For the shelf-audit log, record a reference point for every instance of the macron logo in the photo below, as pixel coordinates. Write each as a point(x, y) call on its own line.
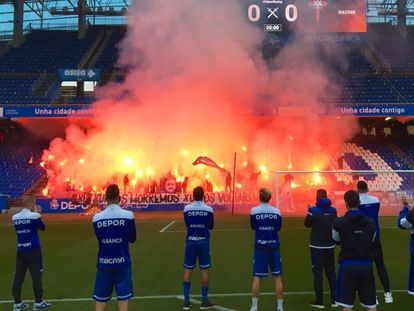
point(111, 261)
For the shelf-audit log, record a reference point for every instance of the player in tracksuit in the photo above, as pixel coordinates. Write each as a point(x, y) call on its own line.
point(29, 255)
point(357, 234)
point(114, 229)
point(406, 221)
point(370, 206)
point(266, 221)
point(320, 219)
point(199, 219)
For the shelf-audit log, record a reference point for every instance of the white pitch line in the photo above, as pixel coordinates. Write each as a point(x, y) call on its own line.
point(198, 302)
point(214, 230)
point(154, 297)
point(167, 226)
point(164, 230)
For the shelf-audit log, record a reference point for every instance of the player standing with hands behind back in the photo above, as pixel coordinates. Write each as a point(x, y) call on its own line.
point(266, 221)
point(199, 219)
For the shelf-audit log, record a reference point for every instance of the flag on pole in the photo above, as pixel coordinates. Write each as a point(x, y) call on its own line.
point(209, 162)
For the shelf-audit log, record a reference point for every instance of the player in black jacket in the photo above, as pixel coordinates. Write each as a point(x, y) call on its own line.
point(320, 219)
point(356, 233)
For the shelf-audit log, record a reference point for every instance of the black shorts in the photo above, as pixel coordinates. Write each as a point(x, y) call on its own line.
point(352, 278)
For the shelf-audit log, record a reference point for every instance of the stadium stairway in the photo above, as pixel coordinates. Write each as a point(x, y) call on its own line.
point(97, 49)
point(401, 154)
point(4, 47)
point(395, 51)
point(38, 186)
point(378, 61)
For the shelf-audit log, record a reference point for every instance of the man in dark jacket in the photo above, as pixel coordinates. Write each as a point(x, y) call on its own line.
point(357, 234)
point(320, 219)
point(406, 222)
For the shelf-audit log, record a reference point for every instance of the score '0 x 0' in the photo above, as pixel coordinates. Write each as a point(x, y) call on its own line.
point(254, 13)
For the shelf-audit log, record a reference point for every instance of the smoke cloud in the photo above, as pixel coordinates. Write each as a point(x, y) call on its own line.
point(196, 84)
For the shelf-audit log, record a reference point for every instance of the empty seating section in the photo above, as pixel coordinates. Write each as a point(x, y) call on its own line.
point(405, 86)
point(346, 57)
point(16, 175)
point(397, 52)
point(355, 77)
point(374, 154)
point(361, 89)
point(47, 51)
point(81, 100)
point(16, 90)
point(370, 89)
point(406, 145)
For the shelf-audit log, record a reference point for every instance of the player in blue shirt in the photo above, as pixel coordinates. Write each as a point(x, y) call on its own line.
point(114, 229)
point(29, 254)
point(370, 206)
point(406, 222)
point(266, 221)
point(199, 219)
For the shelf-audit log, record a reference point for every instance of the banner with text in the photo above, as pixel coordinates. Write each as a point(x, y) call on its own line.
point(148, 202)
point(372, 110)
point(46, 111)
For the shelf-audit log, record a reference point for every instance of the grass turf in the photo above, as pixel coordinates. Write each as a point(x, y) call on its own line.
point(69, 251)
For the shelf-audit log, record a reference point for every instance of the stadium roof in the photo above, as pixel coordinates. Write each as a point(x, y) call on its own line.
point(37, 13)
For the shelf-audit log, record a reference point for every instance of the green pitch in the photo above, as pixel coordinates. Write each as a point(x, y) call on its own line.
point(69, 251)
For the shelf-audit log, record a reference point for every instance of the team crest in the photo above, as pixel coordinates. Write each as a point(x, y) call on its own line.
point(318, 5)
point(54, 204)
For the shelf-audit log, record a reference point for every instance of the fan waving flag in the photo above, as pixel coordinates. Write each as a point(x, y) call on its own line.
point(209, 162)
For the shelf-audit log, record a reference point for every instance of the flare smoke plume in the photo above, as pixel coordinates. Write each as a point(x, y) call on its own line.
point(196, 77)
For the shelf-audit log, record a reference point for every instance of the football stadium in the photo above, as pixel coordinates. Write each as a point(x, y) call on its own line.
point(244, 144)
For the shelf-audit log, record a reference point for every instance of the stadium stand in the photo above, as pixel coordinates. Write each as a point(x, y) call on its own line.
point(369, 89)
point(406, 145)
point(354, 70)
point(109, 56)
point(16, 90)
point(47, 50)
point(351, 58)
point(405, 86)
point(16, 175)
point(396, 51)
point(28, 77)
point(374, 153)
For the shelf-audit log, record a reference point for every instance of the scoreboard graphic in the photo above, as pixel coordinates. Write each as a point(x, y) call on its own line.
point(317, 16)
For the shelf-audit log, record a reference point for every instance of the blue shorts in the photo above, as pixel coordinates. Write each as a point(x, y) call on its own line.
point(265, 259)
point(200, 250)
point(106, 280)
point(353, 278)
